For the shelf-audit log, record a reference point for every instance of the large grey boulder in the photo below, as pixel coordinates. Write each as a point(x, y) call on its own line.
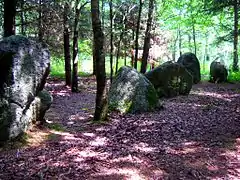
point(191, 63)
point(218, 72)
point(24, 67)
point(131, 92)
point(170, 79)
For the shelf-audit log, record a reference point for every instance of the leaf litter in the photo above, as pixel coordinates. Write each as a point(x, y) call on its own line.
point(192, 137)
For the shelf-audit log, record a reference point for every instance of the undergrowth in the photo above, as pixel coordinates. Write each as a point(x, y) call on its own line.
point(85, 68)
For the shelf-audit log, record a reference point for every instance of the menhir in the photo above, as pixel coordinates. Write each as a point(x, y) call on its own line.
point(24, 67)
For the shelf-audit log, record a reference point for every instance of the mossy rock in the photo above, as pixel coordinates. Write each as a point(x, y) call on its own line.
point(132, 92)
point(191, 63)
point(170, 79)
point(218, 72)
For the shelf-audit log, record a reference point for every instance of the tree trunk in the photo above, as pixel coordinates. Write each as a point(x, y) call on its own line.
point(94, 58)
point(137, 33)
point(174, 49)
point(180, 41)
point(206, 56)
point(189, 42)
point(146, 46)
point(235, 42)
point(194, 37)
point(101, 107)
point(9, 17)
point(75, 50)
point(111, 40)
point(22, 19)
point(102, 12)
point(66, 36)
point(40, 28)
point(119, 42)
point(118, 50)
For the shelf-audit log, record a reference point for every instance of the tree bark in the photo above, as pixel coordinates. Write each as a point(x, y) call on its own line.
point(194, 36)
point(22, 18)
point(75, 50)
point(94, 58)
point(66, 36)
point(9, 17)
point(137, 33)
point(119, 42)
point(180, 41)
point(101, 97)
point(40, 28)
point(235, 42)
point(206, 56)
point(102, 12)
point(111, 40)
point(146, 46)
point(118, 50)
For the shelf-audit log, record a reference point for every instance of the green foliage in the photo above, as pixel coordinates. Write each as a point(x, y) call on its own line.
point(57, 67)
point(85, 47)
point(234, 76)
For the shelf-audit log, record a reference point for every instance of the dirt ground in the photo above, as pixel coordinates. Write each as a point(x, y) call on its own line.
point(193, 137)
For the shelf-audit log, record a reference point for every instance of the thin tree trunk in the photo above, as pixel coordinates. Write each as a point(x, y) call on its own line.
point(40, 28)
point(22, 19)
point(137, 33)
point(174, 48)
point(75, 50)
point(94, 58)
point(119, 42)
point(146, 46)
point(101, 107)
point(179, 41)
point(66, 36)
point(235, 42)
point(9, 17)
point(111, 40)
point(103, 15)
point(118, 50)
point(194, 37)
point(206, 56)
point(189, 42)
point(125, 55)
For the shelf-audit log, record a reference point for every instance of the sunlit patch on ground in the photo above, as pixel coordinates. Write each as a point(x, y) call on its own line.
point(143, 147)
point(214, 95)
point(128, 173)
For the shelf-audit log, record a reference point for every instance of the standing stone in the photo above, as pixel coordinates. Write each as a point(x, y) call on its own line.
point(170, 79)
point(132, 92)
point(24, 67)
point(218, 72)
point(191, 63)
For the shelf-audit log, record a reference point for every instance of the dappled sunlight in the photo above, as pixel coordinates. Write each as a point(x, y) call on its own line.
point(58, 89)
point(233, 160)
point(129, 173)
point(61, 93)
point(99, 141)
point(86, 153)
point(37, 138)
point(89, 134)
point(225, 97)
point(143, 147)
point(61, 133)
point(77, 117)
point(187, 104)
point(190, 147)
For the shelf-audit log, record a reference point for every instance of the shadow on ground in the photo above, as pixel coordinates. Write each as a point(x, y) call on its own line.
point(193, 137)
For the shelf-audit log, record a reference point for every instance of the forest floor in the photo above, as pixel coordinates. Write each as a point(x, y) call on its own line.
point(192, 137)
